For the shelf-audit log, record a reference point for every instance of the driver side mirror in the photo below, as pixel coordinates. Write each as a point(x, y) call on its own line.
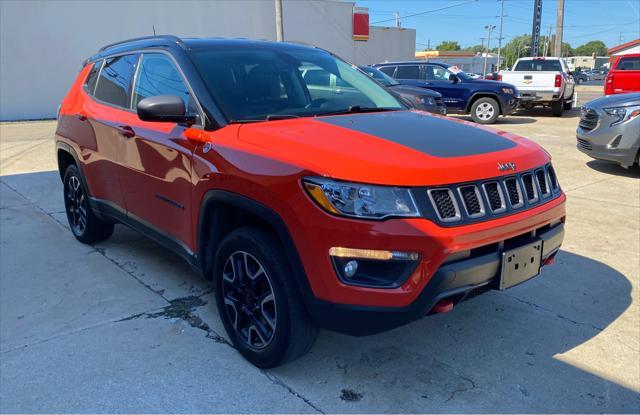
point(165, 108)
point(453, 78)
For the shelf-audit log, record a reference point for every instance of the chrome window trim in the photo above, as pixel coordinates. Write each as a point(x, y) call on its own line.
point(480, 202)
point(455, 218)
point(503, 202)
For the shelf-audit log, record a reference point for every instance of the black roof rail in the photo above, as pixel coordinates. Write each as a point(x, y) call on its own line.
point(170, 38)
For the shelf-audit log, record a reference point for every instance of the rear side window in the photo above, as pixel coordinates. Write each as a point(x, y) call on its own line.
point(408, 72)
point(629, 64)
point(92, 78)
point(389, 70)
point(539, 65)
point(159, 76)
point(115, 80)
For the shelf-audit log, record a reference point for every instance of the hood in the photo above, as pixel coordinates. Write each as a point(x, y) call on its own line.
point(414, 90)
point(618, 100)
point(404, 148)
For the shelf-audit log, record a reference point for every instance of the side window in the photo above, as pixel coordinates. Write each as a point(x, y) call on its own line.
point(629, 64)
point(389, 70)
point(436, 73)
point(92, 78)
point(115, 80)
point(158, 75)
point(408, 72)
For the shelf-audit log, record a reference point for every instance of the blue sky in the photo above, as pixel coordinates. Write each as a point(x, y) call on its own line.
point(585, 20)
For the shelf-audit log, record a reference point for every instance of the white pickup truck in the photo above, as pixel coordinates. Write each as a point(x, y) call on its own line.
point(543, 81)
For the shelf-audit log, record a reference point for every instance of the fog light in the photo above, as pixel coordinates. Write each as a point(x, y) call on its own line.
point(350, 269)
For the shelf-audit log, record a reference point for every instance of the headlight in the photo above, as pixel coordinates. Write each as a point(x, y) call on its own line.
point(507, 91)
point(360, 200)
point(622, 114)
point(428, 100)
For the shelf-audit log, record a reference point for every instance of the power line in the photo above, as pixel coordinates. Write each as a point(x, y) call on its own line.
point(426, 12)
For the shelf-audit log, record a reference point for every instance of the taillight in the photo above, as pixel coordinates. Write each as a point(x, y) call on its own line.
point(499, 77)
point(558, 83)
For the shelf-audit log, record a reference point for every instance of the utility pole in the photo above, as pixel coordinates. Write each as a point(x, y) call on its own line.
point(279, 25)
point(397, 14)
point(500, 34)
point(557, 51)
point(620, 39)
point(428, 44)
point(489, 28)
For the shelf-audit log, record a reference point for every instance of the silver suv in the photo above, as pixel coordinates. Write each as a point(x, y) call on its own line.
point(609, 129)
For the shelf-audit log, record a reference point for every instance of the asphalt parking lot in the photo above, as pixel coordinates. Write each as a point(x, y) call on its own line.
point(125, 326)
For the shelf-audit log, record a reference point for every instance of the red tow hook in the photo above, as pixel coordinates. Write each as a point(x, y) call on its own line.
point(443, 306)
point(550, 261)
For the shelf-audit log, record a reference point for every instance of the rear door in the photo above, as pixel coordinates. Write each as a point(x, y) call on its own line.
point(155, 160)
point(104, 110)
point(626, 77)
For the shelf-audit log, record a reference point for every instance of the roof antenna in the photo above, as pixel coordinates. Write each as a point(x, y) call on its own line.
point(154, 29)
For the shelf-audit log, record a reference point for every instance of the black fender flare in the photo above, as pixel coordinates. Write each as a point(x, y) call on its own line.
point(259, 210)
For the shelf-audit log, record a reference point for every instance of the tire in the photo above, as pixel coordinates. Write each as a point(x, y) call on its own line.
point(485, 111)
point(557, 107)
point(263, 314)
point(84, 224)
point(580, 80)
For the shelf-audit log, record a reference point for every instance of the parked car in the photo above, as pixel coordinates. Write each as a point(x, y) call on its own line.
point(492, 76)
point(419, 98)
point(542, 81)
point(473, 75)
point(624, 76)
point(579, 76)
point(307, 205)
point(595, 75)
point(484, 100)
point(609, 129)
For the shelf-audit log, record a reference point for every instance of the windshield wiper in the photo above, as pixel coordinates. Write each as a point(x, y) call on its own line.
point(355, 109)
point(270, 117)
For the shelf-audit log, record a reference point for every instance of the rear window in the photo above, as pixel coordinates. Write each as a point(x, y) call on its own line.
point(92, 78)
point(539, 65)
point(115, 80)
point(629, 64)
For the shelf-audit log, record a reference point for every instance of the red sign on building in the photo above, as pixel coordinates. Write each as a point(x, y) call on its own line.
point(360, 23)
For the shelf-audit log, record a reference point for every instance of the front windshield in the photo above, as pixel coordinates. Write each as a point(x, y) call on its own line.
point(379, 76)
point(261, 84)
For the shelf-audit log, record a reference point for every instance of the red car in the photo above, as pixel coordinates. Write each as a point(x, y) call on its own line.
point(624, 76)
point(310, 195)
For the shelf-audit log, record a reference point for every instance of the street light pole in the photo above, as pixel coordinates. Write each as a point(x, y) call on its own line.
point(279, 25)
point(489, 28)
point(500, 34)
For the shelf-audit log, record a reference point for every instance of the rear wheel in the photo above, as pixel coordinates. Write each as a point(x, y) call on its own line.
point(485, 111)
point(85, 225)
point(557, 107)
point(258, 301)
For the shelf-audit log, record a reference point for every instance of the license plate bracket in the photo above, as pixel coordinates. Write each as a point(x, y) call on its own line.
point(520, 264)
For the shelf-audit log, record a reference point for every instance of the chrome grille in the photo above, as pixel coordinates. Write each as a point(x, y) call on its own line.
point(445, 204)
point(494, 195)
point(514, 192)
point(472, 201)
point(457, 203)
point(529, 187)
point(584, 144)
point(588, 119)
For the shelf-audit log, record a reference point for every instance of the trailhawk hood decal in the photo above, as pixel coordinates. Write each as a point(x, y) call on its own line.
point(404, 148)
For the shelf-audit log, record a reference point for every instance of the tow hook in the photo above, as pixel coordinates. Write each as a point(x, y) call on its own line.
point(443, 306)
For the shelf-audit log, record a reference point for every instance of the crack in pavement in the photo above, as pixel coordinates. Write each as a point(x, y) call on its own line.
point(454, 392)
point(277, 381)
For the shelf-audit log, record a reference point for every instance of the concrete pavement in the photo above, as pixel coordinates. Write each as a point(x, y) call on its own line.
point(125, 326)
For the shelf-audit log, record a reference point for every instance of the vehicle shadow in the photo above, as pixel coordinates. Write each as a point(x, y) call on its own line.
point(499, 352)
point(509, 119)
point(614, 169)
point(546, 112)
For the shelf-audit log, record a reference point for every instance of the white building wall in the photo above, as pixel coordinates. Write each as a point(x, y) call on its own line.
point(43, 43)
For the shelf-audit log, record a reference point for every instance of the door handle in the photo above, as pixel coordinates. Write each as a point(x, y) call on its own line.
point(126, 131)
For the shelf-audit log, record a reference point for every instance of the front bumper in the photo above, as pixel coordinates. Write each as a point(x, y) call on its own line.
point(619, 144)
point(454, 280)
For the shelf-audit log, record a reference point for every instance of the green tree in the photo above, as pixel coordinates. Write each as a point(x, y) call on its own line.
point(596, 47)
point(448, 45)
point(474, 49)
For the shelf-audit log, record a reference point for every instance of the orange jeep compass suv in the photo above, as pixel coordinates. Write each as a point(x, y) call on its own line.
point(310, 195)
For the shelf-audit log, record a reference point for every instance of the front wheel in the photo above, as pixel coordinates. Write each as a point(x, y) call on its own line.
point(258, 301)
point(485, 111)
point(85, 225)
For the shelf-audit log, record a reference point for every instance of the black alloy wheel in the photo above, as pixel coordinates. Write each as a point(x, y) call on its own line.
point(249, 300)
